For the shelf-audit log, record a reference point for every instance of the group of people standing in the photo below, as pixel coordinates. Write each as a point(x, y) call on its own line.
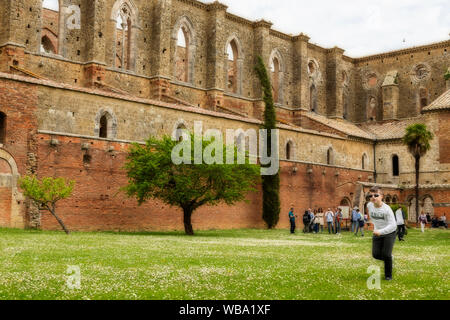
point(314, 221)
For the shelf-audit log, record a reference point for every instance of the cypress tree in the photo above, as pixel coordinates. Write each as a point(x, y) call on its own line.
point(270, 184)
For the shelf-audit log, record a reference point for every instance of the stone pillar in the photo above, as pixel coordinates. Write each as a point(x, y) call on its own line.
point(390, 95)
point(216, 46)
point(215, 61)
point(161, 47)
point(262, 49)
point(301, 78)
point(335, 106)
point(98, 29)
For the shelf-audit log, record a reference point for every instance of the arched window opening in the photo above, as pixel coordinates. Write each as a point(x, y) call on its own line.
point(330, 156)
point(387, 199)
point(232, 72)
point(123, 38)
point(394, 200)
point(423, 96)
point(103, 127)
point(47, 45)
point(395, 166)
point(2, 128)
point(428, 206)
point(275, 75)
point(179, 134)
point(313, 98)
point(182, 56)
point(50, 26)
point(372, 109)
point(289, 151)
point(364, 161)
point(345, 106)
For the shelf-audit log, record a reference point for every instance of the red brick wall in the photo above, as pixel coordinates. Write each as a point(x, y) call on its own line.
point(444, 137)
point(18, 101)
point(97, 203)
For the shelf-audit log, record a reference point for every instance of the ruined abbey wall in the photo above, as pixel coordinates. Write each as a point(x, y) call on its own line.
point(62, 70)
point(310, 76)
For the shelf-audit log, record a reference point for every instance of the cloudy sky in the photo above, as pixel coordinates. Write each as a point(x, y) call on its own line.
point(360, 27)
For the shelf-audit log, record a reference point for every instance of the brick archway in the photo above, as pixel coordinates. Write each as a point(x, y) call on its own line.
point(11, 200)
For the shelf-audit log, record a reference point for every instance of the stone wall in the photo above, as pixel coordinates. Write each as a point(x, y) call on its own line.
point(154, 27)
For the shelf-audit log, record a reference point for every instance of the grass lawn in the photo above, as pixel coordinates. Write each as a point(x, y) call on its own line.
point(218, 265)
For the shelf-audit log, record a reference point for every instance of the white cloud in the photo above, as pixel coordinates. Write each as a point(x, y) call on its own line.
point(359, 27)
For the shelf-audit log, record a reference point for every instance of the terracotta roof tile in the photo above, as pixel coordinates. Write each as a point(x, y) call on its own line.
point(341, 125)
point(390, 130)
point(441, 103)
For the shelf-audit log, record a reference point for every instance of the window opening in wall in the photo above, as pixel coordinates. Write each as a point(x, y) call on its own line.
point(182, 55)
point(275, 75)
point(232, 71)
point(2, 128)
point(50, 26)
point(395, 166)
point(123, 37)
point(423, 94)
point(313, 98)
point(103, 127)
point(288, 150)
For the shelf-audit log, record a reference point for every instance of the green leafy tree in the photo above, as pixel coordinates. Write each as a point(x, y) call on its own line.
point(418, 139)
point(47, 192)
point(152, 174)
point(271, 183)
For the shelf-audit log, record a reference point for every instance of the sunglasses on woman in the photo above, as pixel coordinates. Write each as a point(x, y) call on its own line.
point(374, 195)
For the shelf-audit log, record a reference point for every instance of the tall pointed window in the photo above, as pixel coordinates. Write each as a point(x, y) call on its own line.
point(124, 14)
point(2, 128)
point(345, 106)
point(182, 58)
point(423, 96)
point(232, 72)
point(275, 75)
point(123, 36)
point(50, 26)
point(313, 98)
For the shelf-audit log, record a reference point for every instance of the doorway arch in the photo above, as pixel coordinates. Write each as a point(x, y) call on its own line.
point(11, 200)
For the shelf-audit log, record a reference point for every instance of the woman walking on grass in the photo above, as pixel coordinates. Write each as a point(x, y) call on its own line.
point(385, 229)
point(423, 221)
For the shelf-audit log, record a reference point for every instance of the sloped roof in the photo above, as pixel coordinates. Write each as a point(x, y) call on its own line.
point(441, 103)
point(390, 130)
point(341, 125)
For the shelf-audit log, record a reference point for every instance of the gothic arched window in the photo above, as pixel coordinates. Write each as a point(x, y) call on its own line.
point(50, 26)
